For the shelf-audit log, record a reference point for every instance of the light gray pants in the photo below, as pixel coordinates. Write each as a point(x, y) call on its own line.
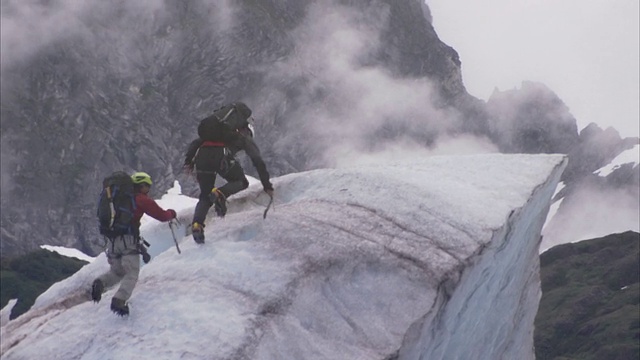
point(124, 261)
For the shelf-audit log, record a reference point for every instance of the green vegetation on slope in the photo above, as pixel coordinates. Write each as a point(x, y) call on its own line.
point(26, 277)
point(590, 306)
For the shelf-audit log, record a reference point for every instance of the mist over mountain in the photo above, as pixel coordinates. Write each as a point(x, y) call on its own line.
point(91, 87)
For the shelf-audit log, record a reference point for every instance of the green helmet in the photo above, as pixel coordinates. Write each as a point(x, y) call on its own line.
point(141, 177)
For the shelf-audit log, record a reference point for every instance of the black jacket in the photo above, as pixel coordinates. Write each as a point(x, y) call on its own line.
point(239, 143)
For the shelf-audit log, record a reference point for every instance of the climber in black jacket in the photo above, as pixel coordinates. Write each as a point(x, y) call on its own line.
point(220, 137)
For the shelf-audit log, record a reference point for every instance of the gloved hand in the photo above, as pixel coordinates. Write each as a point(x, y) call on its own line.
point(173, 213)
point(146, 257)
point(269, 192)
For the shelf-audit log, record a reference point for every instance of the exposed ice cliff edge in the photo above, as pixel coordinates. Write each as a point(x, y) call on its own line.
point(435, 259)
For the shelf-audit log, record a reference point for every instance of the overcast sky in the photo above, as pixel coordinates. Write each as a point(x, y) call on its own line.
point(587, 52)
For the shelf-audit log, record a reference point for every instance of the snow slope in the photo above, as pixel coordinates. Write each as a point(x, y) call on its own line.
point(435, 258)
point(631, 156)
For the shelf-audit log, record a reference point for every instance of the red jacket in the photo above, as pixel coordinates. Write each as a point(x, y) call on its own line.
point(146, 205)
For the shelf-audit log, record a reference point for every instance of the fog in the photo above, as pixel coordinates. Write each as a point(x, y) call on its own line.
point(590, 213)
point(346, 104)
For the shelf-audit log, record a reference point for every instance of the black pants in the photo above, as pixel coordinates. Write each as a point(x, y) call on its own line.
point(210, 162)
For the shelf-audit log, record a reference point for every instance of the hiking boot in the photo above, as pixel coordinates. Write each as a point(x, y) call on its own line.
point(197, 230)
point(119, 307)
point(219, 202)
point(96, 290)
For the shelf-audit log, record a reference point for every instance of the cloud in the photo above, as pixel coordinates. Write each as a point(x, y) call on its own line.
point(341, 96)
point(29, 26)
point(592, 212)
point(407, 151)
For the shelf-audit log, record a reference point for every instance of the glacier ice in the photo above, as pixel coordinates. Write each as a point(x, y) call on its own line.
point(434, 258)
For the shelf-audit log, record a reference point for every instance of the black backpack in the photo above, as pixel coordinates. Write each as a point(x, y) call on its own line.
point(116, 205)
point(222, 125)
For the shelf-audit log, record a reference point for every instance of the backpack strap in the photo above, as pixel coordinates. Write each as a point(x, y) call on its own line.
point(136, 241)
point(111, 207)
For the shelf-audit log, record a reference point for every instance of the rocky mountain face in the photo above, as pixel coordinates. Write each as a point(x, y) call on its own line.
point(533, 119)
point(105, 86)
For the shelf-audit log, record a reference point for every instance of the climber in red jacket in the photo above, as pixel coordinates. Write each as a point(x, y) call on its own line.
point(124, 253)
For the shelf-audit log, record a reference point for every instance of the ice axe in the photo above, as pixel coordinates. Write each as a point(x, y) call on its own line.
point(172, 223)
point(264, 215)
